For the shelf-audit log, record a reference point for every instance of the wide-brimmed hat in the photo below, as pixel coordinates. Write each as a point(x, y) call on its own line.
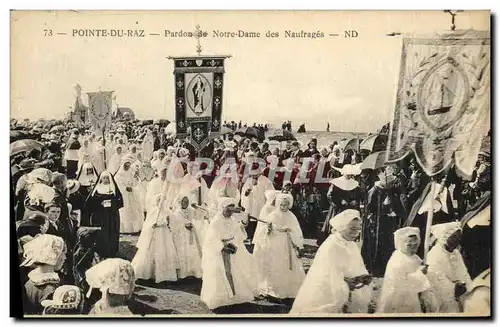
point(73, 186)
point(485, 154)
point(64, 297)
point(349, 170)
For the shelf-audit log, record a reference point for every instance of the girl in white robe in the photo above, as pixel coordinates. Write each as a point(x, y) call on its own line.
point(85, 154)
point(148, 146)
point(447, 272)
point(337, 281)
point(252, 193)
point(175, 174)
point(228, 268)
point(196, 188)
point(262, 228)
point(156, 257)
point(222, 186)
point(157, 162)
point(406, 288)
point(276, 250)
point(116, 159)
point(146, 175)
point(186, 238)
point(98, 156)
point(132, 152)
point(131, 215)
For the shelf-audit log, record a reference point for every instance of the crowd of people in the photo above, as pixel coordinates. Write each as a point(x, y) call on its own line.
point(237, 219)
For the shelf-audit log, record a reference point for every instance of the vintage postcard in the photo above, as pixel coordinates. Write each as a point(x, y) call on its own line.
point(250, 163)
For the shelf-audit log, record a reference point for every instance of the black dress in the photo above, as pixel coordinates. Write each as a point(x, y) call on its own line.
point(384, 215)
point(476, 242)
point(103, 209)
point(340, 200)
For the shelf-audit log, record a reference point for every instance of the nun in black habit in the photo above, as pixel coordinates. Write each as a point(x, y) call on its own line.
point(103, 205)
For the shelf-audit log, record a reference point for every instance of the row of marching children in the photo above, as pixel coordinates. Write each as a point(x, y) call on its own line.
point(193, 231)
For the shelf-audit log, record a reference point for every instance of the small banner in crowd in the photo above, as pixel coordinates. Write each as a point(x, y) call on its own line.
point(198, 93)
point(442, 108)
point(100, 109)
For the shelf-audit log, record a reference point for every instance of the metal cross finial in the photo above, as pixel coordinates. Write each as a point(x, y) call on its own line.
point(453, 13)
point(198, 35)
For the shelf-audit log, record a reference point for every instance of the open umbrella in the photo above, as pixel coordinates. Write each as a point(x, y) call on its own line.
point(161, 122)
point(374, 161)
point(58, 128)
point(248, 132)
point(349, 144)
point(225, 130)
point(282, 135)
point(18, 135)
point(24, 146)
point(374, 143)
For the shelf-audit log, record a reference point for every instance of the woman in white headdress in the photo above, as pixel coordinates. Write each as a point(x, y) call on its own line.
point(447, 272)
point(406, 288)
point(85, 153)
point(103, 205)
point(132, 152)
point(337, 281)
point(186, 238)
point(175, 179)
point(161, 155)
point(131, 215)
point(156, 257)
point(222, 186)
point(262, 228)
point(87, 177)
point(228, 268)
point(148, 145)
point(277, 251)
point(116, 281)
point(116, 159)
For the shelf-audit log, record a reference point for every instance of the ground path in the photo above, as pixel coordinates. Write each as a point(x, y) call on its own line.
point(183, 297)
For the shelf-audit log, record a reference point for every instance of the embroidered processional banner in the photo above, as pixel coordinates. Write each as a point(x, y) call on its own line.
point(442, 108)
point(198, 96)
point(100, 110)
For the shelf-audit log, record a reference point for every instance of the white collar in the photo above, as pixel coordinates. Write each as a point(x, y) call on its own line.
point(345, 184)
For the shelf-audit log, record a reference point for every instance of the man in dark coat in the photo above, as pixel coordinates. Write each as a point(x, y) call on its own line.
point(67, 224)
point(72, 147)
point(156, 141)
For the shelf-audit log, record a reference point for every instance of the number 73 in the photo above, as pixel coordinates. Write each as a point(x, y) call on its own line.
point(47, 32)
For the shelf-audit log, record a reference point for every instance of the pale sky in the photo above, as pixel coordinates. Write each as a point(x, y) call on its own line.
point(350, 83)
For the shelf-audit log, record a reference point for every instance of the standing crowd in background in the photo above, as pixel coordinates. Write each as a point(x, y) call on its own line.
point(239, 223)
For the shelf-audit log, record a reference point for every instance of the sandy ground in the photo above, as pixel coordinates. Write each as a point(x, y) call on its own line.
point(183, 297)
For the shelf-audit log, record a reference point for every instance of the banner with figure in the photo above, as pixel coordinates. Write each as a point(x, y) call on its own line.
point(199, 96)
point(100, 110)
point(198, 92)
point(442, 110)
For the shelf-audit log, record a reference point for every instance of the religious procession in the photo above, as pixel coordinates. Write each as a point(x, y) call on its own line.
point(117, 216)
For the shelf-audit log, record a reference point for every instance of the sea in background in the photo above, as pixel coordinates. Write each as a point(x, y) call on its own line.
point(324, 138)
